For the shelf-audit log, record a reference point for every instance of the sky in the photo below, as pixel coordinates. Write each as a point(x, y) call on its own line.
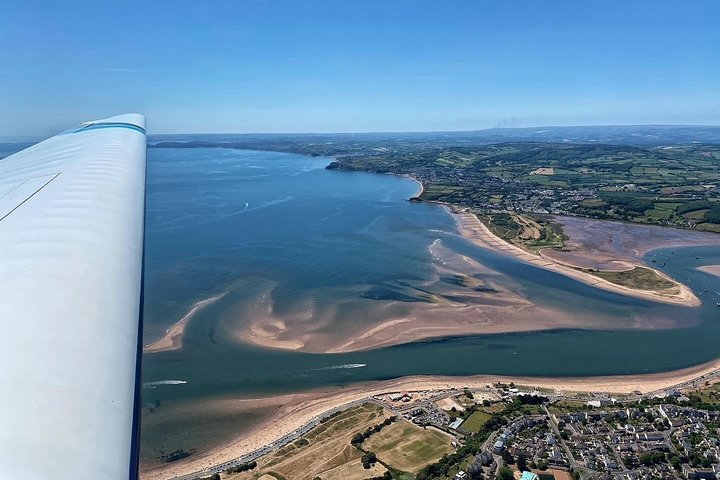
point(352, 66)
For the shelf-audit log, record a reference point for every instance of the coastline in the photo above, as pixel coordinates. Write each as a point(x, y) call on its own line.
point(479, 234)
point(427, 321)
point(173, 338)
point(420, 184)
point(297, 410)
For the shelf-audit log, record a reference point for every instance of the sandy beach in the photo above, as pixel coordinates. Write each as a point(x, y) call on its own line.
point(295, 410)
point(478, 233)
point(711, 269)
point(173, 338)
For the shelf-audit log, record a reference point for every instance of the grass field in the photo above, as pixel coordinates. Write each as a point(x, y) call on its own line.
point(328, 447)
point(352, 471)
point(524, 231)
point(709, 395)
point(709, 227)
point(475, 421)
point(566, 406)
point(640, 278)
point(408, 447)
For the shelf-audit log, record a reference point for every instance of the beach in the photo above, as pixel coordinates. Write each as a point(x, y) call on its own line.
point(295, 410)
point(333, 263)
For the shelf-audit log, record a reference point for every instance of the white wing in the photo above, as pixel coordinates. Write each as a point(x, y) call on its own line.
point(71, 244)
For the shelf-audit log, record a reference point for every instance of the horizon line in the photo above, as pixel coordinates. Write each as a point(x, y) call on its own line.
point(32, 138)
point(613, 125)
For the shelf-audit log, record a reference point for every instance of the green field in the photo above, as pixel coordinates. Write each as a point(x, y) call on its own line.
point(615, 182)
point(529, 233)
point(710, 395)
point(475, 421)
point(640, 278)
point(407, 447)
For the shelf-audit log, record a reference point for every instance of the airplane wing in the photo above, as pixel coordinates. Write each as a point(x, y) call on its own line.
point(71, 248)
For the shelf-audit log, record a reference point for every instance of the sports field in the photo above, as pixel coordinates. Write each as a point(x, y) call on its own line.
point(407, 447)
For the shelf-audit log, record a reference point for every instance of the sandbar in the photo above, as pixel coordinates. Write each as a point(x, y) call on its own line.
point(173, 338)
point(711, 269)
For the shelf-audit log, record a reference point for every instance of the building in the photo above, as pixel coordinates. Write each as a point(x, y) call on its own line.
point(498, 447)
point(458, 421)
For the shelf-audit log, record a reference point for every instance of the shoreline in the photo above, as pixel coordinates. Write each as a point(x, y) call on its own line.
point(422, 187)
point(173, 338)
point(710, 269)
point(476, 232)
point(297, 410)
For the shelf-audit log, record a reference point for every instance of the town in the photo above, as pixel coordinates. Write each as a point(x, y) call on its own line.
point(504, 431)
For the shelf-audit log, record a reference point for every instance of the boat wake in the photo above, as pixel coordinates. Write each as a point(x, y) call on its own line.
point(163, 382)
point(344, 366)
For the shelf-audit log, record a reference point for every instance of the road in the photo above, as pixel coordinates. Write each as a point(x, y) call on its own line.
point(399, 410)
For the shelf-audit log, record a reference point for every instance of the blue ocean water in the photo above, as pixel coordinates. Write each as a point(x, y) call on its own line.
point(328, 251)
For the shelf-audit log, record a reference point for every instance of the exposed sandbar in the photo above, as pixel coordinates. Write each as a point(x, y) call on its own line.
point(711, 269)
point(173, 338)
point(484, 302)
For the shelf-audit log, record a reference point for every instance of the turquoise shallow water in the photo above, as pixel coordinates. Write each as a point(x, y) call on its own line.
point(279, 231)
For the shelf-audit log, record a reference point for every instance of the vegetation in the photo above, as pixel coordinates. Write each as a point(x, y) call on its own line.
point(359, 438)
point(243, 467)
point(408, 447)
point(639, 278)
point(620, 182)
point(528, 232)
point(505, 473)
point(474, 442)
point(475, 421)
point(368, 460)
point(308, 457)
point(632, 177)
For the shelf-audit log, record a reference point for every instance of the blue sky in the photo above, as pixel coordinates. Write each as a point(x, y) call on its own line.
point(345, 65)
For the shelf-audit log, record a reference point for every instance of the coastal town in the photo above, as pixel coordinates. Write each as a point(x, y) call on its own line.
point(498, 429)
point(507, 431)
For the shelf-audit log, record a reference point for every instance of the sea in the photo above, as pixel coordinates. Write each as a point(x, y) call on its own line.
point(277, 233)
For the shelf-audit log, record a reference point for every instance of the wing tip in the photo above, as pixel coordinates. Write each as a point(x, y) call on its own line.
point(136, 119)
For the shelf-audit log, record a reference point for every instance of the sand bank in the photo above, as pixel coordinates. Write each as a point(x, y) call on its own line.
point(294, 411)
point(173, 338)
point(711, 269)
point(483, 301)
point(478, 233)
